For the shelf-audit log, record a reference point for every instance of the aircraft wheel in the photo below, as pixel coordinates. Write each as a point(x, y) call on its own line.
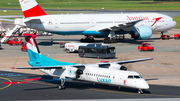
point(61, 87)
point(140, 91)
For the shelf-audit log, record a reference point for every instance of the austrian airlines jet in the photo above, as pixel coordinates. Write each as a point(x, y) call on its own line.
point(112, 73)
point(138, 25)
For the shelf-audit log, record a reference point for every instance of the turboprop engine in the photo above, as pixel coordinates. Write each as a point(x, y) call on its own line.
point(142, 32)
point(117, 66)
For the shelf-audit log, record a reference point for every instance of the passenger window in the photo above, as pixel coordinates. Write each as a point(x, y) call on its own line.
point(130, 77)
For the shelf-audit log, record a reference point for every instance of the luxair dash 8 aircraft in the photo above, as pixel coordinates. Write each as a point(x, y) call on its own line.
point(112, 73)
point(138, 25)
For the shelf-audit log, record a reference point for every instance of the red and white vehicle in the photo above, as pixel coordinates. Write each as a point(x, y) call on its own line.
point(176, 36)
point(15, 41)
point(24, 47)
point(145, 47)
point(165, 37)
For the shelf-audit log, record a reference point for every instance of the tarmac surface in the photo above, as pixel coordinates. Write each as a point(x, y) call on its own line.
point(162, 73)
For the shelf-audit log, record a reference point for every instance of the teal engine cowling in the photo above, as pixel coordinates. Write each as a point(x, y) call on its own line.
point(142, 32)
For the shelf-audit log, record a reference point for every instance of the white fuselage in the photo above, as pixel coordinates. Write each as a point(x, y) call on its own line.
point(103, 76)
point(89, 24)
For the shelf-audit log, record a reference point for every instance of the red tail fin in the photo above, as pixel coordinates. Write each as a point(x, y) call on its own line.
point(31, 8)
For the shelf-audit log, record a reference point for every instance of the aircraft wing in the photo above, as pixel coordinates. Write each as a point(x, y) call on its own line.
point(113, 27)
point(131, 61)
point(104, 65)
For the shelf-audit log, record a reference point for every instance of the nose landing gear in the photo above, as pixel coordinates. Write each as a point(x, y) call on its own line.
point(140, 91)
point(61, 85)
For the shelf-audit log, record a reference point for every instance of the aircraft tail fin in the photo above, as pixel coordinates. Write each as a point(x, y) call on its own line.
point(31, 8)
point(36, 59)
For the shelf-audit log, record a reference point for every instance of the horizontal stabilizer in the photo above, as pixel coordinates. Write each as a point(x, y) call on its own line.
point(50, 67)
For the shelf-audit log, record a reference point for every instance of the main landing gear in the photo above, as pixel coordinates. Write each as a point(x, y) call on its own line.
point(140, 91)
point(61, 85)
point(110, 38)
point(88, 39)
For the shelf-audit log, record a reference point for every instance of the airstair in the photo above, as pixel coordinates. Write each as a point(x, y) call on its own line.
point(10, 33)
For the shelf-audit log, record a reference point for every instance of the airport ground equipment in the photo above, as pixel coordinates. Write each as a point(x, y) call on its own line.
point(97, 51)
point(145, 47)
point(73, 47)
point(15, 41)
point(176, 36)
point(10, 33)
point(62, 44)
point(24, 47)
point(163, 37)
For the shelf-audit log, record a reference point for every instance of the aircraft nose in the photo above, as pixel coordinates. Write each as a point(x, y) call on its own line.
point(174, 24)
point(145, 86)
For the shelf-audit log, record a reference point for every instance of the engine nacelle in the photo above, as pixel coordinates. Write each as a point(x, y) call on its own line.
point(142, 32)
point(78, 73)
point(117, 67)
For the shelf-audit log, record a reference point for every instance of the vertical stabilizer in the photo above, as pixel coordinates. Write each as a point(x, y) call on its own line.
point(31, 8)
point(35, 57)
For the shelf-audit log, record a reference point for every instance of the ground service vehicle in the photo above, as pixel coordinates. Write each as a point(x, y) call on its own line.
point(62, 44)
point(15, 41)
point(24, 47)
point(97, 51)
point(176, 36)
point(165, 37)
point(73, 47)
point(145, 47)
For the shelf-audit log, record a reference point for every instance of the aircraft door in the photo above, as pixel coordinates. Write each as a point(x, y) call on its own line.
point(56, 23)
point(93, 22)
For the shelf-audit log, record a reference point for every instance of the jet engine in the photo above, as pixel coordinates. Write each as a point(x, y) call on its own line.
point(142, 32)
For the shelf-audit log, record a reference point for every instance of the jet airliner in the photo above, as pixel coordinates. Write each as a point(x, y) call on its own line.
point(138, 25)
point(112, 73)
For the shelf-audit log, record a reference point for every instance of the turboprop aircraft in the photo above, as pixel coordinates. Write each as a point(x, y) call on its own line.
point(138, 25)
point(112, 73)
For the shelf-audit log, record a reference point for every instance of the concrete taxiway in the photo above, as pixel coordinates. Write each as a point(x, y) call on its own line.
point(23, 86)
point(162, 73)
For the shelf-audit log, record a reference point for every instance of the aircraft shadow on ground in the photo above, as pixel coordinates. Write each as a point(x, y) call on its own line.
point(73, 84)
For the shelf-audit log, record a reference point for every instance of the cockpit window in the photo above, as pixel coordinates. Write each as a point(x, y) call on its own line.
point(140, 76)
point(136, 77)
point(130, 77)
